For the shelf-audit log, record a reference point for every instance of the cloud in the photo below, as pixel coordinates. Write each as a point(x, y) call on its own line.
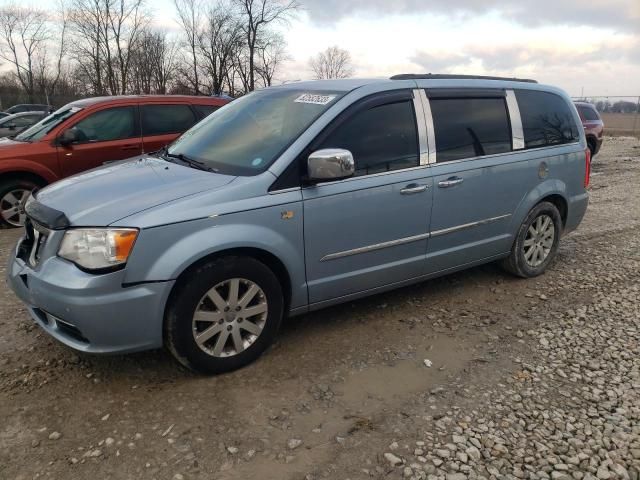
point(442, 62)
point(509, 58)
point(621, 15)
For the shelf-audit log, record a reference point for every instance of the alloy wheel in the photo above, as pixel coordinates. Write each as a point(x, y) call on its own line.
point(230, 317)
point(11, 206)
point(539, 240)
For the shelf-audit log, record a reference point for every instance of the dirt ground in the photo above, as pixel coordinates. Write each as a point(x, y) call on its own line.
point(528, 379)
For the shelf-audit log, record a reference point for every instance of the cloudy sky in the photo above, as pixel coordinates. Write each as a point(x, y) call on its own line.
point(590, 45)
point(580, 45)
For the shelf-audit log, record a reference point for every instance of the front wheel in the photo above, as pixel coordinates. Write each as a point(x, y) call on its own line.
point(224, 314)
point(536, 243)
point(13, 195)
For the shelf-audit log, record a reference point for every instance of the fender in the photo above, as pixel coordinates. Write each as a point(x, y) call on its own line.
point(164, 253)
point(16, 166)
point(552, 186)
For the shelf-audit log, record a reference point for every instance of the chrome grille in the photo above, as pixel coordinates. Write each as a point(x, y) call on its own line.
point(33, 243)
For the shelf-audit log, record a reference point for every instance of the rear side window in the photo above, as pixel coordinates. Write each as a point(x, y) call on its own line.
point(110, 124)
point(470, 127)
point(588, 113)
point(205, 110)
point(163, 119)
point(382, 138)
point(546, 119)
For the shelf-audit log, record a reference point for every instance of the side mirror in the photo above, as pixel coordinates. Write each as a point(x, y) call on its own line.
point(68, 137)
point(12, 126)
point(330, 164)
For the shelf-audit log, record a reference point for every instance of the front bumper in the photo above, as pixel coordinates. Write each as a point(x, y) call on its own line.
point(90, 313)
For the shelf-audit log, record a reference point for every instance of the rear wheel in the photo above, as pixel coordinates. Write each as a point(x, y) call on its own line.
point(536, 243)
point(13, 195)
point(592, 144)
point(224, 314)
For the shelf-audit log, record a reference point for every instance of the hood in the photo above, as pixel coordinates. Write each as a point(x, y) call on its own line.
point(107, 194)
point(6, 143)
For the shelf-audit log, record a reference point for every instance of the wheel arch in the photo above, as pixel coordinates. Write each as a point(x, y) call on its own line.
point(553, 190)
point(263, 256)
point(23, 175)
point(561, 204)
point(20, 168)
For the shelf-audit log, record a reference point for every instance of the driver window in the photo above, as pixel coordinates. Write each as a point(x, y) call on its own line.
point(381, 139)
point(109, 124)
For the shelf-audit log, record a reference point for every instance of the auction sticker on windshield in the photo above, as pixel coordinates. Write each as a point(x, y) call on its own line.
point(314, 98)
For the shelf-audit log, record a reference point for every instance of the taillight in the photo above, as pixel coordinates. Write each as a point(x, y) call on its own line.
point(587, 167)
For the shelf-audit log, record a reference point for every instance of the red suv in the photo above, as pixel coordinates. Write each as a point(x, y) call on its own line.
point(88, 133)
point(593, 126)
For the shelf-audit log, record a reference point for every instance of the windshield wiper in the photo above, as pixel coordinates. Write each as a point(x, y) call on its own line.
point(193, 163)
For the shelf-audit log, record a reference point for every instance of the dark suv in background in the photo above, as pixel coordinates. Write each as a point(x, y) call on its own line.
point(593, 125)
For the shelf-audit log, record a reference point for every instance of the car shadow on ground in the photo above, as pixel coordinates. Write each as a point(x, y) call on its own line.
point(158, 366)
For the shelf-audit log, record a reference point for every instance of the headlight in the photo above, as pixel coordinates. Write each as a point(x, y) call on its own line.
point(98, 248)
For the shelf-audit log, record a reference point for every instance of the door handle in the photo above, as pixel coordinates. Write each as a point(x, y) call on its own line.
point(130, 147)
point(413, 188)
point(450, 182)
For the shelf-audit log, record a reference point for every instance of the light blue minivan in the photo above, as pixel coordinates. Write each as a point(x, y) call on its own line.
point(298, 197)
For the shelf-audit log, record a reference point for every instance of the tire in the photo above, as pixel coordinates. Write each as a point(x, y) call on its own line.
point(522, 261)
point(199, 306)
point(591, 143)
point(11, 200)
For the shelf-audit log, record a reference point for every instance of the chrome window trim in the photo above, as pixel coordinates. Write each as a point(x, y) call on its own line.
point(284, 190)
point(503, 154)
point(422, 127)
point(517, 132)
point(413, 238)
point(431, 133)
point(362, 177)
point(495, 155)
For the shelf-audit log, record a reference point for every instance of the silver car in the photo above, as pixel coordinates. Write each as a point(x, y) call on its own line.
point(13, 124)
point(297, 197)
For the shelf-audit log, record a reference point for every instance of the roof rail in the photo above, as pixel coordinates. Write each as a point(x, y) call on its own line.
point(445, 76)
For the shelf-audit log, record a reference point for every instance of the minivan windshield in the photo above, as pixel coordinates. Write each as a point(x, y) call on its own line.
point(247, 135)
point(44, 126)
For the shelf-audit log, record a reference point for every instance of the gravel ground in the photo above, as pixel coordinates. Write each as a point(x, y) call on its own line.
point(474, 375)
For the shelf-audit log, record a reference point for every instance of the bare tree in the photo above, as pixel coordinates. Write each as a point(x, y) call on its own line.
point(271, 52)
point(153, 62)
point(256, 16)
point(334, 62)
point(24, 34)
point(49, 78)
point(190, 17)
point(126, 19)
point(104, 35)
point(219, 41)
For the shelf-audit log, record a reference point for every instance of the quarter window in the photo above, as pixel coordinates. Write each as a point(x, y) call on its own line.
point(381, 139)
point(109, 124)
point(205, 110)
point(470, 127)
point(546, 119)
point(163, 119)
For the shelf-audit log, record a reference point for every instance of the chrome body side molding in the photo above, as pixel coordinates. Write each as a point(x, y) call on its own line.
point(376, 246)
point(414, 238)
point(457, 228)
